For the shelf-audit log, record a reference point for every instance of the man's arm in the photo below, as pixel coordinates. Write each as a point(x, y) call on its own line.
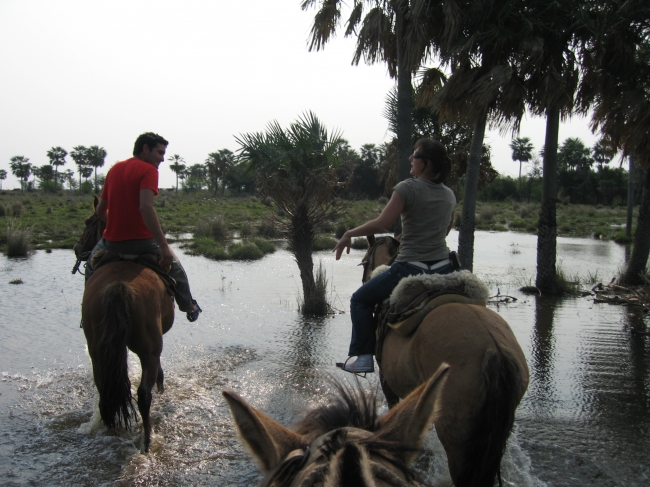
point(102, 209)
point(153, 225)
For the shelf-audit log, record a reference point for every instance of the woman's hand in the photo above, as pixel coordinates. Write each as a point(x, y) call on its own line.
point(344, 243)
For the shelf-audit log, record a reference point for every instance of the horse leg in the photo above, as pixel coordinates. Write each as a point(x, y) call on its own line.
point(391, 398)
point(150, 366)
point(160, 380)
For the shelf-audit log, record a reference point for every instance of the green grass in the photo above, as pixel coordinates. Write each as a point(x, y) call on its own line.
point(56, 220)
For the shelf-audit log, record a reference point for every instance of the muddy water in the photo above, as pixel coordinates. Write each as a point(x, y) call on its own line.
point(584, 420)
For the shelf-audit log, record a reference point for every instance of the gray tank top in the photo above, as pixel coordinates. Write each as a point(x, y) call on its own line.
point(427, 212)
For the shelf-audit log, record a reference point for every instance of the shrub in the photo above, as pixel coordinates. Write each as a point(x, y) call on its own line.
point(487, 214)
point(622, 238)
point(245, 251)
point(360, 243)
point(341, 228)
point(3, 211)
point(17, 209)
point(264, 245)
point(214, 227)
point(600, 232)
point(268, 227)
point(324, 242)
point(207, 247)
point(246, 230)
point(19, 240)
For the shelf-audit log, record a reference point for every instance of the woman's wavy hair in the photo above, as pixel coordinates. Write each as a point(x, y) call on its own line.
point(436, 160)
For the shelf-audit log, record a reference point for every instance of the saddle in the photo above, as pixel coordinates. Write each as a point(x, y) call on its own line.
point(150, 261)
point(416, 296)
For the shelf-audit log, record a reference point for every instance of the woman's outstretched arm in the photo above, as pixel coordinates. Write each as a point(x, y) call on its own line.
point(389, 214)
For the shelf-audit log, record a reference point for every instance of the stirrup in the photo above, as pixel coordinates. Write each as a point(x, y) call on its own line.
point(342, 366)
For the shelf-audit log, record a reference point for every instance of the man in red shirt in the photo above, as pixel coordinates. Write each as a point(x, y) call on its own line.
point(132, 225)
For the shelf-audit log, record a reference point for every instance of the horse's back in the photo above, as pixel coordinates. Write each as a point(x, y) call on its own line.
point(152, 311)
point(459, 334)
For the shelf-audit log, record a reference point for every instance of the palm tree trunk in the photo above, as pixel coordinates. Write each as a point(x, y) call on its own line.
point(546, 280)
point(404, 99)
point(301, 243)
point(630, 196)
point(636, 267)
point(466, 232)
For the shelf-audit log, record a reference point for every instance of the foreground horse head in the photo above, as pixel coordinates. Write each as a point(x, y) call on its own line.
point(343, 444)
point(487, 379)
point(125, 306)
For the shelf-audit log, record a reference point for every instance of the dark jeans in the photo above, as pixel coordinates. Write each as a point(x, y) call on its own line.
point(148, 246)
point(364, 300)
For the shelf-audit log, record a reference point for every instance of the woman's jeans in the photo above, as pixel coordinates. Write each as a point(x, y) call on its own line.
point(364, 300)
point(148, 246)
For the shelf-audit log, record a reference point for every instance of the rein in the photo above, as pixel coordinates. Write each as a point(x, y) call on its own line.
point(87, 241)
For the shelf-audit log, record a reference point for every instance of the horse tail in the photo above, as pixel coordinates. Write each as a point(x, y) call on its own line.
point(115, 399)
point(487, 443)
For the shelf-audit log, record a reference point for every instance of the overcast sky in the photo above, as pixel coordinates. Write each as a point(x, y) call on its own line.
point(198, 72)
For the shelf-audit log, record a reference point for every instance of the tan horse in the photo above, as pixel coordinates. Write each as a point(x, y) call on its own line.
point(125, 305)
point(343, 444)
point(488, 378)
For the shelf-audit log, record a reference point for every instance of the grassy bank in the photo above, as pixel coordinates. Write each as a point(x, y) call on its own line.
point(56, 220)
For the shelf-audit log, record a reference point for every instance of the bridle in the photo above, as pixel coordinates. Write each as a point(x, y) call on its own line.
point(90, 236)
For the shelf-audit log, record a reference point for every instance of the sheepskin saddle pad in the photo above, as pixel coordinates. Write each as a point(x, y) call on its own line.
point(103, 257)
point(415, 296)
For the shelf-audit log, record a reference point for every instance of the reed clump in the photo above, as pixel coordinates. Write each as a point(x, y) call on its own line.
point(317, 303)
point(19, 240)
point(215, 227)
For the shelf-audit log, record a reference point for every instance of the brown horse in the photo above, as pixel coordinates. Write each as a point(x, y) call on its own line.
point(487, 380)
point(125, 305)
point(343, 444)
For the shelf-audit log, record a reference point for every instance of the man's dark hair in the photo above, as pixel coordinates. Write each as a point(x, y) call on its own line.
point(149, 139)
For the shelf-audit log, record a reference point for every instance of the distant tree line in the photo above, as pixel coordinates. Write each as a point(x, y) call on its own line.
point(48, 177)
point(583, 176)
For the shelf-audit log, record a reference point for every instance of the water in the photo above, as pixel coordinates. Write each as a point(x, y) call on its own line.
point(584, 420)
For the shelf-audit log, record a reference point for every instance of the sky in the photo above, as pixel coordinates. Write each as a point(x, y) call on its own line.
point(198, 72)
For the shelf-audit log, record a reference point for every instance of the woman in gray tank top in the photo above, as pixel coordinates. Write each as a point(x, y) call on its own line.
point(426, 207)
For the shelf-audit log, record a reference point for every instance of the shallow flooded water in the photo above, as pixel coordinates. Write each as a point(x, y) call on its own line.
point(583, 421)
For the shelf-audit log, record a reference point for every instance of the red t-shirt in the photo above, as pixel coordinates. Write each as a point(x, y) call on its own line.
point(122, 192)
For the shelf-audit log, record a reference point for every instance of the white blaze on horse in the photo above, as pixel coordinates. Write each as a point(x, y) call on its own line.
point(342, 444)
point(488, 371)
point(125, 305)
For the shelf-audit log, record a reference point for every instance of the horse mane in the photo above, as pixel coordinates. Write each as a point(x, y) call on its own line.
point(351, 407)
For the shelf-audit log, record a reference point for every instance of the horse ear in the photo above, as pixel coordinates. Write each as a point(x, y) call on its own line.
point(371, 240)
point(95, 201)
point(267, 439)
point(407, 422)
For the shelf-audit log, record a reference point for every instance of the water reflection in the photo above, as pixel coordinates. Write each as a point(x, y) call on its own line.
point(542, 364)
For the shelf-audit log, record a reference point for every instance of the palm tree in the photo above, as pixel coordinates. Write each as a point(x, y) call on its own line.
point(401, 33)
point(177, 165)
point(602, 153)
point(3, 176)
point(218, 164)
point(551, 85)
point(68, 176)
point(616, 66)
point(574, 154)
point(296, 168)
point(79, 155)
point(21, 168)
point(522, 151)
point(481, 45)
point(57, 155)
point(96, 157)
